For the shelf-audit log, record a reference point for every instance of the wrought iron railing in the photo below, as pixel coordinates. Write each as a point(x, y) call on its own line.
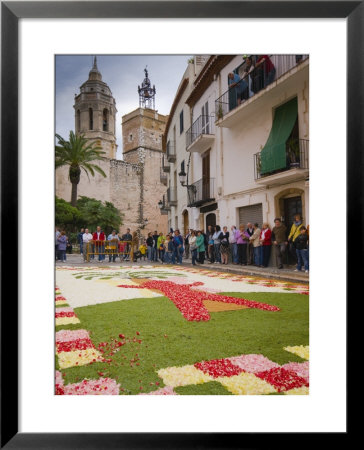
point(171, 151)
point(163, 177)
point(201, 192)
point(172, 196)
point(202, 125)
point(165, 206)
point(256, 80)
point(297, 157)
point(165, 166)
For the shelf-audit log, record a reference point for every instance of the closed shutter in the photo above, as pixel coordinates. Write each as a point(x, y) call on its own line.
point(252, 214)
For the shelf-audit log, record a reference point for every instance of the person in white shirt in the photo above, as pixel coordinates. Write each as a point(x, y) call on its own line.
point(233, 245)
point(86, 238)
point(193, 247)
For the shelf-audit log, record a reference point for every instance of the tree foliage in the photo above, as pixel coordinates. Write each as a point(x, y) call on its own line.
point(88, 213)
point(79, 154)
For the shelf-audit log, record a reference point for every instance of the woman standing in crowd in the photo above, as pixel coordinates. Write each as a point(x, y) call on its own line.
point(301, 244)
point(193, 247)
point(266, 244)
point(294, 233)
point(224, 247)
point(150, 244)
point(62, 245)
point(217, 242)
point(242, 240)
point(200, 242)
point(255, 240)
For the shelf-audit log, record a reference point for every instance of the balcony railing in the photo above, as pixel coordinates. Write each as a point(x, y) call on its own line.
point(163, 177)
point(172, 196)
point(201, 192)
point(295, 159)
point(255, 81)
point(202, 125)
point(171, 151)
point(165, 208)
point(165, 166)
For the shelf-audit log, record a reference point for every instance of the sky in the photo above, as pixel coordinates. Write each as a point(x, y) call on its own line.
point(123, 74)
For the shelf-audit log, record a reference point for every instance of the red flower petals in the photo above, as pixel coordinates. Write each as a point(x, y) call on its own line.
point(78, 344)
point(282, 379)
point(190, 301)
point(219, 368)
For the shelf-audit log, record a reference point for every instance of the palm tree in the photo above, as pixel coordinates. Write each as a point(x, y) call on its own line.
point(78, 153)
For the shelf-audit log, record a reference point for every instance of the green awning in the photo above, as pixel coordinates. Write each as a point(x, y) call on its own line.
point(273, 155)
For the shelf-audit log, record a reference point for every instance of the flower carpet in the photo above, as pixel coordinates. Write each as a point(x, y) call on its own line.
point(176, 330)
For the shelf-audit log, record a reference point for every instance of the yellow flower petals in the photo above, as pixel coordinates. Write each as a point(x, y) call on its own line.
point(300, 350)
point(303, 390)
point(183, 376)
point(69, 359)
point(246, 384)
point(66, 320)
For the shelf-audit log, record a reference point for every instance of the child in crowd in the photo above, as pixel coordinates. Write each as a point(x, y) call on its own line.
point(143, 250)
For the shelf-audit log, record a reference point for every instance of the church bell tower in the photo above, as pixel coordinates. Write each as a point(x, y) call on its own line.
point(95, 112)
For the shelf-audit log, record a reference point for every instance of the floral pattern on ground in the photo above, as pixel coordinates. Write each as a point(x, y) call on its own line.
point(102, 386)
point(282, 379)
point(303, 351)
point(241, 375)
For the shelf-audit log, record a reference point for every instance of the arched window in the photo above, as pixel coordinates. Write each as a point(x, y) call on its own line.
point(105, 120)
point(78, 120)
point(91, 119)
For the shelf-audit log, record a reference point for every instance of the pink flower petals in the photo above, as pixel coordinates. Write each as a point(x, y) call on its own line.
point(300, 369)
point(253, 363)
point(168, 390)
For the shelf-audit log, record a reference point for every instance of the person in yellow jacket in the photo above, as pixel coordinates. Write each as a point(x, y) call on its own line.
point(143, 250)
point(295, 232)
point(160, 246)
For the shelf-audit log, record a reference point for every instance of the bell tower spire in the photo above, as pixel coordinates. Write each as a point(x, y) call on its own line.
point(146, 93)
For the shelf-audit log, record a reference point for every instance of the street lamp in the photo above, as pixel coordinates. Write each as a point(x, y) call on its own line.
point(182, 177)
point(160, 204)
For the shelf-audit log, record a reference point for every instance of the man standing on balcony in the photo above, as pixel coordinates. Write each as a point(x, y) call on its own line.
point(279, 239)
point(236, 86)
point(268, 71)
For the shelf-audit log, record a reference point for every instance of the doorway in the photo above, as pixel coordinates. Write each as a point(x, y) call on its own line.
point(210, 220)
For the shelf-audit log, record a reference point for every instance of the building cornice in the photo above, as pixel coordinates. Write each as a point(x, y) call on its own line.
point(176, 100)
point(213, 66)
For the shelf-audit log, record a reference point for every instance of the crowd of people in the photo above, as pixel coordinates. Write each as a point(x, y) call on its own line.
point(246, 245)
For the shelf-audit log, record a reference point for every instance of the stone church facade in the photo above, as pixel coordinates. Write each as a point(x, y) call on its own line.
point(133, 184)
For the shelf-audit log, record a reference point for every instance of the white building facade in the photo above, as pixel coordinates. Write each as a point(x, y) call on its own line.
point(248, 147)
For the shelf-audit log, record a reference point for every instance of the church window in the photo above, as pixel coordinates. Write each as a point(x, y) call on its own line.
point(130, 137)
point(78, 120)
point(105, 120)
point(91, 119)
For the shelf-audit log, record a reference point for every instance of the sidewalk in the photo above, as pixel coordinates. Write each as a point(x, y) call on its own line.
point(286, 274)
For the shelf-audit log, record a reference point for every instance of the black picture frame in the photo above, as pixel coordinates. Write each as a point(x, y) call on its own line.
point(11, 12)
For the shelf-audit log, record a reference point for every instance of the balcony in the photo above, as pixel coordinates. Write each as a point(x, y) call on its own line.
point(297, 166)
point(165, 208)
point(172, 196)
point(165, 166)
point(201, 134)
point(230, 107)
point(171, 151)
point(201, 192)
point(163, 177)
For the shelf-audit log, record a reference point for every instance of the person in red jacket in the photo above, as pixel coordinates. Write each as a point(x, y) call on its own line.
point(99, 240)
point(266, 244)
